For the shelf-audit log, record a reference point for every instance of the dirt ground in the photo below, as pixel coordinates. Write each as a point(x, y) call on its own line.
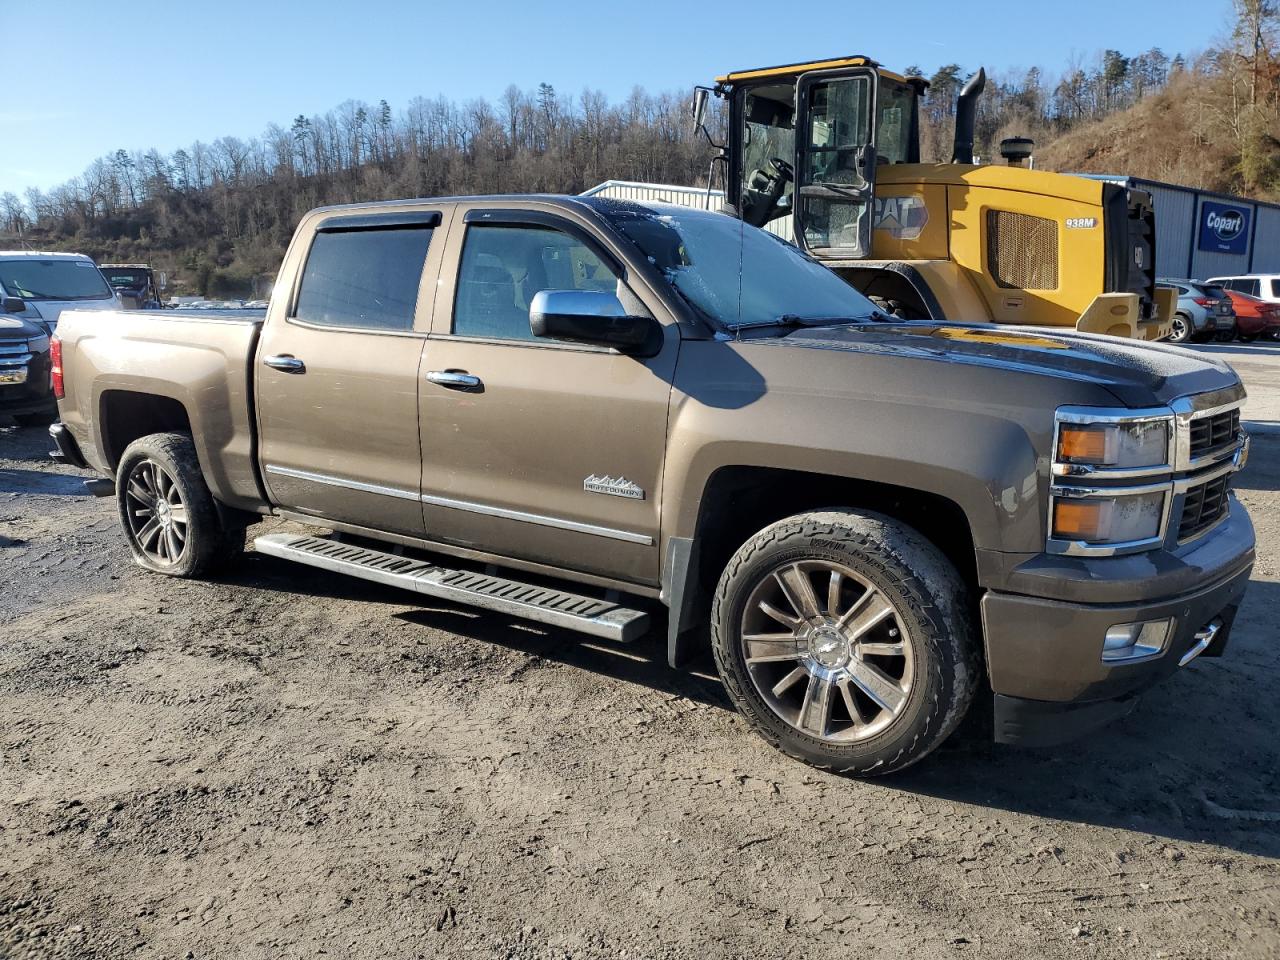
point(286, 763)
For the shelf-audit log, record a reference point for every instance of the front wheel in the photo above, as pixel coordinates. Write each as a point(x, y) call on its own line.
point(167, 512)
point(844, 639)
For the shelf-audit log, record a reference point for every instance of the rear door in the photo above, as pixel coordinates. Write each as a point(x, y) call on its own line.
point(542, 451)
point(835, 162)
point(337, 371)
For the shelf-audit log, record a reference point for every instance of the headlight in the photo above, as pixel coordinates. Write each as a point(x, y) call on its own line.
point(1099, 519)
point(1121, 445)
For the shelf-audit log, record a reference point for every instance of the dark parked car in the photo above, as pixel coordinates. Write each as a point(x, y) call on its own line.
point(26, 392)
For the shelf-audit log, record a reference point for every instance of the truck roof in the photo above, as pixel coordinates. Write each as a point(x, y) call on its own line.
point(41, 255)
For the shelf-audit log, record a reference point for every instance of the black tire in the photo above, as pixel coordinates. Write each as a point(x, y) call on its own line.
point(206, 545)
point(41, 419)
point(1247, 337)
point(1183, 330)
point(1225, 337)
point(929, 602)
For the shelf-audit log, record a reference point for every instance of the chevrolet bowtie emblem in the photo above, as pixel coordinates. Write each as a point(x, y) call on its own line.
point(613, 487)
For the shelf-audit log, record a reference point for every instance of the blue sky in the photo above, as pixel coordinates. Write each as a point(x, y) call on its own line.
point(205, 70)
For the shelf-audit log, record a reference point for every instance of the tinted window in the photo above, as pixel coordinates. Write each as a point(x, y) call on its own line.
point(503, 267)
point(364, 278)
point(1248, 286)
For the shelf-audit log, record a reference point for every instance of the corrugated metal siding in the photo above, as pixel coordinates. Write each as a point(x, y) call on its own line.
point(1178, 214)
point(696, 197)
point(1266, 241)
point(1175, 221)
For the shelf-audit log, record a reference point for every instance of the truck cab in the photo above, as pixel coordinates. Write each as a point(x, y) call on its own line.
point(827, 155)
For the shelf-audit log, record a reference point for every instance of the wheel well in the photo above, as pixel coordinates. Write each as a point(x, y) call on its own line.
point(125, 416)
point(740, 501)
point(891, 285)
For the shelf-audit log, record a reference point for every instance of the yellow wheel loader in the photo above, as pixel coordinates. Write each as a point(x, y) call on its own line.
point(827, 154)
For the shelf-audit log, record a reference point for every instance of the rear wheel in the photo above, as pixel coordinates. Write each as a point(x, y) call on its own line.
point(843, 638)
point(1247, 337)
point(1181, 332)
point(167, 512)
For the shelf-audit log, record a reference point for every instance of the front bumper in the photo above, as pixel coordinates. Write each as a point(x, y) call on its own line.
point(1044, 656)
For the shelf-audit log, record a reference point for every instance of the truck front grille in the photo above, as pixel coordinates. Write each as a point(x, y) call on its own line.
point(1204, 506)
point(1214, 433)
point(1022, 251)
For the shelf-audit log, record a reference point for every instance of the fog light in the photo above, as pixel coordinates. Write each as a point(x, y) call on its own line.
point(1136, 641)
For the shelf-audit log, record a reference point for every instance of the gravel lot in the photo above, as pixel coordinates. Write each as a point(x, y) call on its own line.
point(286, 763)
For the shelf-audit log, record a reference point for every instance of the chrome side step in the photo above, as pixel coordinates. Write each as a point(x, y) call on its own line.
point(599, 618)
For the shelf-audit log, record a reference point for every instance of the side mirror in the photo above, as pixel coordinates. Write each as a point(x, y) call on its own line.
point(698, 108)
point(164, 281)
point(592, 317)
point(13, 305)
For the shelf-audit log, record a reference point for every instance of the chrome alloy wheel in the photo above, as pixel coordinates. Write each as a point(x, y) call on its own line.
point(156, 512)
point(826, 651)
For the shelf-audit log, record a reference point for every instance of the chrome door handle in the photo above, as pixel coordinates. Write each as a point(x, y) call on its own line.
point(456, 380)
point(286, 363)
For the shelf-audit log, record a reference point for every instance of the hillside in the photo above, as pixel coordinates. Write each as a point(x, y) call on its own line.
point(1174, 135)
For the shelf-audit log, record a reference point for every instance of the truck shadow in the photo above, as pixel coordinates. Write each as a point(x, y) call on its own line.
point(1178, 768)
point(41, 482)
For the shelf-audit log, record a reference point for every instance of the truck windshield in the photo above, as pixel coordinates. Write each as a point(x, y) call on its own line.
point(125, 277)
point(736, 274)
point(33, 279)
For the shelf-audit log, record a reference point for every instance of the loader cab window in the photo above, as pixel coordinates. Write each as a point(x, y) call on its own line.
point(768, 150)
point(895, 127)
point(837, 161)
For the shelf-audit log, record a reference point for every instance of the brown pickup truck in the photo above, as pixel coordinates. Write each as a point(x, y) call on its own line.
point(583, 411)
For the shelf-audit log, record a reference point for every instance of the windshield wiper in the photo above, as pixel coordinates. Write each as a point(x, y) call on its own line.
point(796, 320)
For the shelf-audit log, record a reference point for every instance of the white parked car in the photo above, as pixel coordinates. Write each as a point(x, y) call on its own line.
point(1264, 286)
point(48, 283)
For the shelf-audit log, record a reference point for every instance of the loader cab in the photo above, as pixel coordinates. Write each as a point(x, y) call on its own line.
point(805, 141)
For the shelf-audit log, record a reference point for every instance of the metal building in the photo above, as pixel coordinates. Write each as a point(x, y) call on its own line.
point(699, 197)
point(1201, 234)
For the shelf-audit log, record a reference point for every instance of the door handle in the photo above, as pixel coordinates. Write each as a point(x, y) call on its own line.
point(285, 362)
point(456, 380)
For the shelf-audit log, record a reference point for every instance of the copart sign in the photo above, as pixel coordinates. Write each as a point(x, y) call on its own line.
point(1224, 228)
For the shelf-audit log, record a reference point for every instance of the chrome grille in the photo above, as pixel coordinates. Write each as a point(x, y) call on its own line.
point(1212, 433)
point(1204, 506)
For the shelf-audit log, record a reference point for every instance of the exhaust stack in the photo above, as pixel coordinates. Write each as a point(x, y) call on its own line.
point(966, 108)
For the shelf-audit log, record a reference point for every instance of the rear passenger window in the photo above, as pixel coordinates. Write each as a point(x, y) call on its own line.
point(1250, 287)
point(503, 267)
point(364, 278)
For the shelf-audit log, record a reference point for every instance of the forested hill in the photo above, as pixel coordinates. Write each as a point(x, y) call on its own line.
point(217, 215)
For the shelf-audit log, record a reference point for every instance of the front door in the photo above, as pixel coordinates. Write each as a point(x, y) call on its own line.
point(835, 163)
point(337, 374)
point(542, 451)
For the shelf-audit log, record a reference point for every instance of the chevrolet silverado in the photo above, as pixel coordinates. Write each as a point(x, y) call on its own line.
point(591, 412)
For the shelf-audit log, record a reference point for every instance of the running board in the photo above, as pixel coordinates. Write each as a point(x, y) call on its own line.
point(599, 618)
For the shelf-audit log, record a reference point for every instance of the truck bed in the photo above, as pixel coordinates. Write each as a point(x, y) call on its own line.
point(192, 364)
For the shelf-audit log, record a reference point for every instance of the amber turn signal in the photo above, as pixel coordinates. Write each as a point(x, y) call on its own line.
point(1078, 443)
point(1079, 519)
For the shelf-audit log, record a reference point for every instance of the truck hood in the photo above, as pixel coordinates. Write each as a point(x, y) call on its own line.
point(1137, 374)
point(50, 310)
point(16, 328)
